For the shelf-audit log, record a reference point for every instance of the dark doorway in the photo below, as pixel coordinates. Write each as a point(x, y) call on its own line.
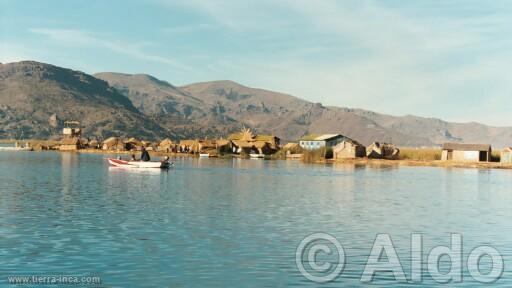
point(483, 156)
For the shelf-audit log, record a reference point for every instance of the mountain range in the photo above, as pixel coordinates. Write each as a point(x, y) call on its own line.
point(35, 99)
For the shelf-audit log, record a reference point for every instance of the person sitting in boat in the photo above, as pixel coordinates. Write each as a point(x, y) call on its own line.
point(145, 155)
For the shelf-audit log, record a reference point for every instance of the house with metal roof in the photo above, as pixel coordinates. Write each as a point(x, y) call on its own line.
point(466, 152)
point(313, 142)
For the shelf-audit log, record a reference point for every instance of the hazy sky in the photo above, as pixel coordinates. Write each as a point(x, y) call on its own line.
point(444, 59)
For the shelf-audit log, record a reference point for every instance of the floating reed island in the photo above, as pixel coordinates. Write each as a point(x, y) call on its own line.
point(320, 148)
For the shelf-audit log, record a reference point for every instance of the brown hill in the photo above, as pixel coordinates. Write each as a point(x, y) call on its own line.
point(291, 117)
point(36, 98)
point(172, 107)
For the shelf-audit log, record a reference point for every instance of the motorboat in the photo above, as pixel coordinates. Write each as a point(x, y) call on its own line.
point(15, 148)
point(138, 164)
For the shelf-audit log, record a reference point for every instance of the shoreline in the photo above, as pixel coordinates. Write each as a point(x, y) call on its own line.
point(357, 161)
point(421, 163)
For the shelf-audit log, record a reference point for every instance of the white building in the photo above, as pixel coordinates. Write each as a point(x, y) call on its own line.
point(313, 142)
point(466, 152)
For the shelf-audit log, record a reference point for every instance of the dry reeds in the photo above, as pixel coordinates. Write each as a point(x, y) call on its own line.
point(420, 154)
point(310, 156)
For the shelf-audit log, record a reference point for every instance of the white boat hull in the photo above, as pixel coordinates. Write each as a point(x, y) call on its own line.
point(204, 155)
point(15, 149)
point(137, 164)
point(257, 156)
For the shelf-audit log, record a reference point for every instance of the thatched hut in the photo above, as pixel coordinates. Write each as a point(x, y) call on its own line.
point(382, 151)
point(94, 144)
point(224, 146)
point(132, 144)
point(113, 143)
point(246, 141)
point(506, 156)
point(244, 147)
point(150, 146)
point(349, 149)
point(273, 141)
point(189, 146)
point(69, 144)
point(264, 148)
point(166, 145)
point(291, 148)
point(39, 146)
point(84, 142)
point(206, 145)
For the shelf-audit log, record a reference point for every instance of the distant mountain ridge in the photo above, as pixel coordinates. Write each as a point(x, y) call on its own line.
point(290, 117)
point(36, 96)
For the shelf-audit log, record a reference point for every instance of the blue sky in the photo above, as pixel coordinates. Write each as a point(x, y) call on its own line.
point(443, 59)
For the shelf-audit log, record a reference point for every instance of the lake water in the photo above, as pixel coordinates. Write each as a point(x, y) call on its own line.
point(235, 223)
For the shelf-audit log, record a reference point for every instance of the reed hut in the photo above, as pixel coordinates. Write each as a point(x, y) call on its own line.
point(247, 142)
point(506, 156)
point(273, 141)
point(349, 149)
point(132, 144)
point(189, 146)
point(113, 143)
point(166, 145)
point(206, 146)
point(382, 151)
point(94, 144)
point(244, 147)
point(292, 147)
point(264, 148)
point(69, 144)
point(39, 147)
point(224, 146)
point(84, 142)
